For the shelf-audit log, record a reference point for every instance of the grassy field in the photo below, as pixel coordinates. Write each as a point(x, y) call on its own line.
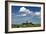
point(25, 25)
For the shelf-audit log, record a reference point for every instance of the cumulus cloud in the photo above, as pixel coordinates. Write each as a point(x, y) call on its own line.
point(24, 12)
point(22, 9)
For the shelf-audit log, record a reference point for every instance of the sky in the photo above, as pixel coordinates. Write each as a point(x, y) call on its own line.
point(21, 14)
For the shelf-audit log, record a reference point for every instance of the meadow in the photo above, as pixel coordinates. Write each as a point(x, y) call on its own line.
point(25, 25)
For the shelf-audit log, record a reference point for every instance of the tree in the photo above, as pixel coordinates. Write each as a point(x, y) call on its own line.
point(30, 22)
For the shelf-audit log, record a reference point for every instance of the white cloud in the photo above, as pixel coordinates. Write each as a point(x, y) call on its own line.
point(28, 11)
point(24, 11)
point(37, 13)
point(23, 14)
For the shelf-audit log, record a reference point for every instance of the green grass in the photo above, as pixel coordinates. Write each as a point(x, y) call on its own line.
point(25, 25)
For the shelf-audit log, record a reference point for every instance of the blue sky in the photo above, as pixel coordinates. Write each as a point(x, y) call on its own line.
point(22, 14)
